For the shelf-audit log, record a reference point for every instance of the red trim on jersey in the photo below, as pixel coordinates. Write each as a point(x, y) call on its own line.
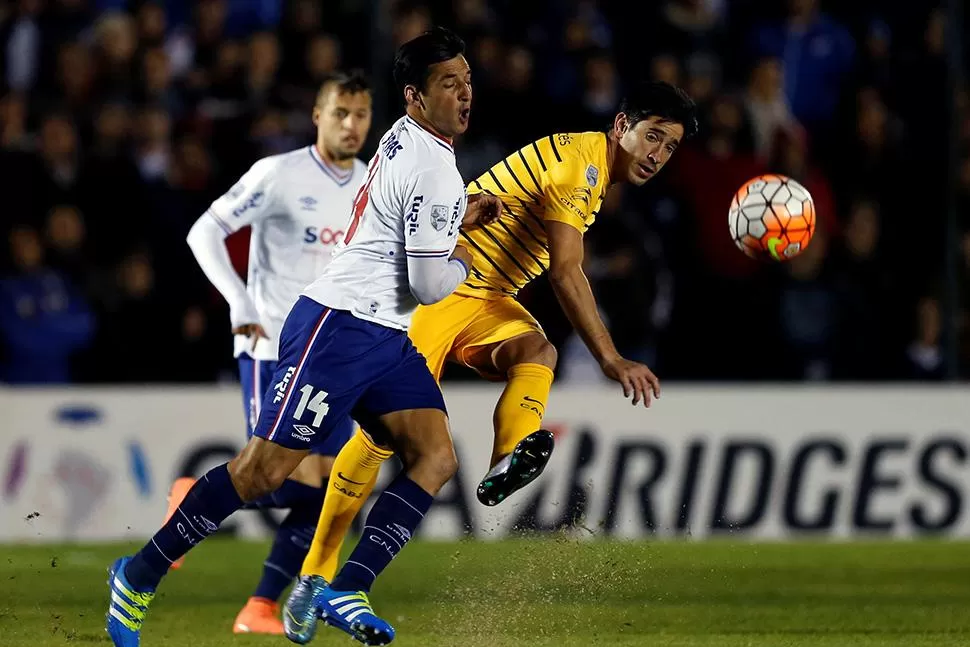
point(446, 140)
point(361, 199)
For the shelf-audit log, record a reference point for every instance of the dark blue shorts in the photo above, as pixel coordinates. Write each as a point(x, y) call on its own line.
point(333, 365)
point(256, 376)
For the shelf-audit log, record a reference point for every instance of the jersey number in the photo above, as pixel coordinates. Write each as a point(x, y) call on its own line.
point(315, 403)
point(360, 200)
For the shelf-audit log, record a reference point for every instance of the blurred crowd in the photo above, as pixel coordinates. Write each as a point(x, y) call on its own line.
point(120, 121)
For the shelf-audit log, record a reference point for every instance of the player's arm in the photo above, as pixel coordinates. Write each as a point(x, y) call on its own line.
point(566, 213)
point(248, 201)
point(574, 292)
point(576, 298)
point(436, 267)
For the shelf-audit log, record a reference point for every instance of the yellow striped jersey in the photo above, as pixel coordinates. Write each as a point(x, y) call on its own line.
point(561, 177)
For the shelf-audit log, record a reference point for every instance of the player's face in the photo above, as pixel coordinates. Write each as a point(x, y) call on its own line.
point(447, 99)
point(647, 146)
point(342, 122)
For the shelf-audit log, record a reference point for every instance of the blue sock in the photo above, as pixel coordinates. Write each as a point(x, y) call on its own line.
point(293, 537)
point(208, 503)
point(292, 494)
point(390, 524)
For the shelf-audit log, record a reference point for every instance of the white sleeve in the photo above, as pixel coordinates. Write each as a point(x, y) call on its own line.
point(207, 241)
point(432, 279)
point(435, 206)
point(252, 198)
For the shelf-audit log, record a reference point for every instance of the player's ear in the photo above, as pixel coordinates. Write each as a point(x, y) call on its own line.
point(621, 124)
point(316, 115)
point(411, 95)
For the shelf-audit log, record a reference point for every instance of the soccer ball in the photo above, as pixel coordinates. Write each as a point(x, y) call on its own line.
point(772, 217)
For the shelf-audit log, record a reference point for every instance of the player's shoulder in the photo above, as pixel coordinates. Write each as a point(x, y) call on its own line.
point(287, 160)
point(577, 146)
point(423, 149)
point(574, 156)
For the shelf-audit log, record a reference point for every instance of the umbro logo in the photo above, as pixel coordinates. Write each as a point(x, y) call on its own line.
point(401, 531)
point(205, 523)
point(303, 432)
point(309, 203)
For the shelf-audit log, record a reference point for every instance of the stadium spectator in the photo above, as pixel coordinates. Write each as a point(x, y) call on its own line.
point(44, 320)
point(118, 118)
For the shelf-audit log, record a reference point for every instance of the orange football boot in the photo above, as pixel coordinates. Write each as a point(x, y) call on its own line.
point(180, 488)
point(259, 616)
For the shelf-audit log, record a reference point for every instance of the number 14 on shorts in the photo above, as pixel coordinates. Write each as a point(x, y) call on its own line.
point(315, 404)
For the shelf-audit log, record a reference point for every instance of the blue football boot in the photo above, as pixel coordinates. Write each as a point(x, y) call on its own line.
point(351, 612)
point(127, 609)
point(300, 612)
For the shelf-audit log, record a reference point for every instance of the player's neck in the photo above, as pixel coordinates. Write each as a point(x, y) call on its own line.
point(424, 123)
point(330, 159)
point(613, 151)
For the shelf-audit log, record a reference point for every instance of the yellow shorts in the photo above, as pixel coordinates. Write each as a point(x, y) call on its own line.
point(448, 329)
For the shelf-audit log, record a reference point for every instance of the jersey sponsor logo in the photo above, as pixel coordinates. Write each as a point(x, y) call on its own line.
point(391, 146)
point(325, 236)
point(592, 175)
point(458, 210)
point(412, 216)
point(582, 194)
point(254, 201)
point(308, 203)
point(569, 205)
point(280, 387)
point(564, 139)
point(439, 216)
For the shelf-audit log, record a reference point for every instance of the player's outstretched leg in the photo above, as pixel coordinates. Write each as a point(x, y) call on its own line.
point(258, 470)
point(352, 479)
point(521, 450)
point(517, 469)
point(260, 615)
point(429, 458)
point(176, 494)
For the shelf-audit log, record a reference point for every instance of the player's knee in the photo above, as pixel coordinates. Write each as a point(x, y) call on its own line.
point(255, 478)
point(442, 462)
point(545, 354)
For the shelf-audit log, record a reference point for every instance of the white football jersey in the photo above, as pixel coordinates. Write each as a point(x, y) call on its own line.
point(411, 204)
point(297, 204)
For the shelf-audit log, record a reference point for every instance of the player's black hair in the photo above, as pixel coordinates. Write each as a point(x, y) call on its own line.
point(350, 82)
point(657, 99)
point(413, 60)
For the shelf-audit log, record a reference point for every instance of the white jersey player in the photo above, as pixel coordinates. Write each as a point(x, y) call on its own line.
point(358, 361)
point(297, 205)
point(403, 230)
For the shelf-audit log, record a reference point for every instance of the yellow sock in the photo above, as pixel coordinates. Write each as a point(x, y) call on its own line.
point(351, 482)
point(520, 409)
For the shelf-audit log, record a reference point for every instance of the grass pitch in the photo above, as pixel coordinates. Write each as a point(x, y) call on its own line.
point(537, 592)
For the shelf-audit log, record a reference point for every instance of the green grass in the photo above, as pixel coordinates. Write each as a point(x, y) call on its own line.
point(538, 592)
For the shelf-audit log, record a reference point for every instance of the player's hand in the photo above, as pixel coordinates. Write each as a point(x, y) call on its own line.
point(461, 253)
point(254, 331)
point(635, 377)
point(482, 209)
